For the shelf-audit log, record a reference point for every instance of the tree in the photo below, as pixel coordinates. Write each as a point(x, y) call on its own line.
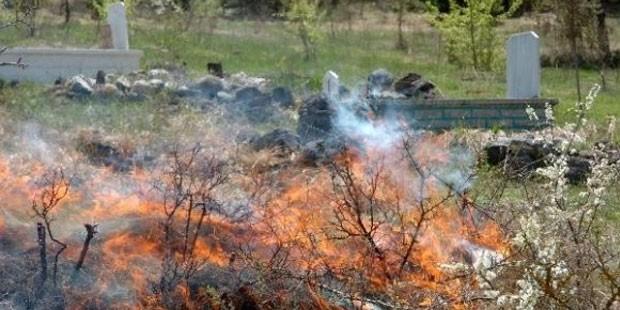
point(305, 16)
point(401, 8)
point(470, 31)
point(581, 26)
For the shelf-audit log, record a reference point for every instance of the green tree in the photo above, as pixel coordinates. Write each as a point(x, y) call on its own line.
point(470, 31)
point(582, 33)
point(305, 16)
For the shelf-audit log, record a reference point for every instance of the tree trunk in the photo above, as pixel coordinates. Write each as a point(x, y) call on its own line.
point(573, 44)
point(401, 44)
point(91, 230)
point(602, 34)
point(67, 11)
point(41, 240)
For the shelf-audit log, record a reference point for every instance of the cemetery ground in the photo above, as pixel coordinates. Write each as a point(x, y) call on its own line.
point(488, 245)
point(271, 50)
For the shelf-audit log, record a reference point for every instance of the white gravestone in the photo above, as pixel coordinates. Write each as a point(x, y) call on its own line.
point(523, 66)
point(117, 20)
point(331, 85)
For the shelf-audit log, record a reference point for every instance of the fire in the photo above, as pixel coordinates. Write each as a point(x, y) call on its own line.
point(369, 221)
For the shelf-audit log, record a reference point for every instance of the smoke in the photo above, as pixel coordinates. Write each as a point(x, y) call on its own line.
point(450, 165)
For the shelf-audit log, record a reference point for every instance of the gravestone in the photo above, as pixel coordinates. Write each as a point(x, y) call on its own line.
point(117, 20)
point(523, 66)
point(331, 85)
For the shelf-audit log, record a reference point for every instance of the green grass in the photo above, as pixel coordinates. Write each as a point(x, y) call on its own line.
point(268, 49)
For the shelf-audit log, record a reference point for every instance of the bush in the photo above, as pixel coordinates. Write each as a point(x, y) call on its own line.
point(470, 32)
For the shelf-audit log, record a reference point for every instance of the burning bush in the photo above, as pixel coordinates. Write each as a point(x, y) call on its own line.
point(390, 221)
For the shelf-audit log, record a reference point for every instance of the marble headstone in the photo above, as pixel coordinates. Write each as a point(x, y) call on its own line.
point(523, 66)
point(331, 85)
point(117, 20)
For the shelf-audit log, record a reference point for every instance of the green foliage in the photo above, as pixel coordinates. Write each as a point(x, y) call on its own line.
point(98, 8)
point(471, 34)
point(305, 17)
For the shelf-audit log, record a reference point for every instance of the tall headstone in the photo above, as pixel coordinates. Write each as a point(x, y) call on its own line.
point(523, 66)
point(117, 19)
point(331, 85)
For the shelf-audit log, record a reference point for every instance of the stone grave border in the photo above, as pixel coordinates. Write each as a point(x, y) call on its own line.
point(466, 113)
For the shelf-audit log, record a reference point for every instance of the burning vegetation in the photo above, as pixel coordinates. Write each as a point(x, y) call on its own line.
point(372, 215)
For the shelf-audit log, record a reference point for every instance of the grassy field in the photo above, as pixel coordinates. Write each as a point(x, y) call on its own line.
point(269, 49)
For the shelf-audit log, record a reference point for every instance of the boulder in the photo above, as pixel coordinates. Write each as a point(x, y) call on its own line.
point(315, 119)
point(521, 157)
point(80, 86)
point(413, 85)
point(254, 104)
point(379, 81)
point(579, 168)
point(209, 86)
point(518, 156)
point(283, 97)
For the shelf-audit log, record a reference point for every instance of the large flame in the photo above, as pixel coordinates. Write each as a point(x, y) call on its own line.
point(402, 252)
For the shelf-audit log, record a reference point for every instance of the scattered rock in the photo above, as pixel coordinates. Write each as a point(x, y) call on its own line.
point(107, 90)
point(245, 80)
point(413, 85)
point(157, 85)
point(225, 97)
point(142, 87)
point(283, 97)
point(209, 86)
point(159, 74)
point(255, 104)
point(80, 86)
point(315, 119)
point(521, 157)
point(379, 81)
point(100, 78)
point(579, 168)
point(123, 84)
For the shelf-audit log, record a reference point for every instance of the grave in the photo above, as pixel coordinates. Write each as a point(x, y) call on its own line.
point(45, 65)
point(523, 91)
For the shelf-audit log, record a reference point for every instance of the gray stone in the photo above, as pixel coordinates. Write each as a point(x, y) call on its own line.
point(209, 86)
point(413, 85)
point(107, 91)
point(283, 97)
point(80, 86)
point(379, 81)
point(225, 97)
point(157, 84)
point(315, 119)
point(123, 84)
point(117, 20)
point(523, 66)
point(142, 87)
point(160, 74)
